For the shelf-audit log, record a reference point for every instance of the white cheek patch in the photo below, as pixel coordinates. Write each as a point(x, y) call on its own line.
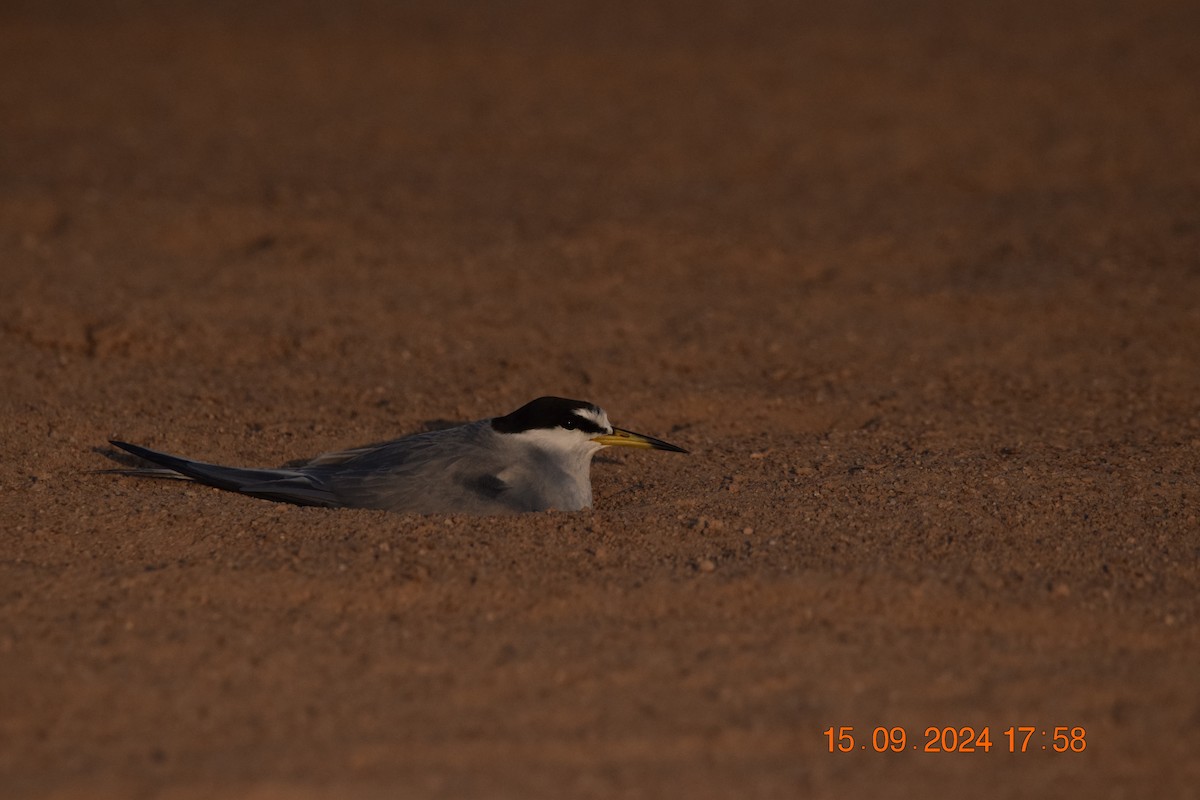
point(556, 440)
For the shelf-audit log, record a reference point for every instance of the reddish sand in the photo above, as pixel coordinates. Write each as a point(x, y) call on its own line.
point(919, 288)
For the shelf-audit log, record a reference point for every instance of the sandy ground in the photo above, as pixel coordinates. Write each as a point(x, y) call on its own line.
point(919, 289)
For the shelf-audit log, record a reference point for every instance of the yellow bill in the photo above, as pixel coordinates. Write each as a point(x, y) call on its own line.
point(624, 438)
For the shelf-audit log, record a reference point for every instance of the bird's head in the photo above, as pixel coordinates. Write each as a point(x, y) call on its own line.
point(572, 425)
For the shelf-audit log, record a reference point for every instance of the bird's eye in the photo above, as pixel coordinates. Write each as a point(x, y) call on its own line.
point(570, 424)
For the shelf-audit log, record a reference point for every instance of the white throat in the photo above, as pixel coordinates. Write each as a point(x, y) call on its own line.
point(555, 464)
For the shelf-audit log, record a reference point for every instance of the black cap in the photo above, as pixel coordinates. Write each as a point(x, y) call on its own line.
point(551, 412)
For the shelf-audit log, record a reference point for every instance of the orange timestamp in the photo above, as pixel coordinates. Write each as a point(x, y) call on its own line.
point(965, 739)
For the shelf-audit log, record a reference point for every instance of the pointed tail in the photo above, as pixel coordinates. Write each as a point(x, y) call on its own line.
point(281, 485)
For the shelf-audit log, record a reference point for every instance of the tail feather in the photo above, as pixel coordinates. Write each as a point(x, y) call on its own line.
point(282, 485)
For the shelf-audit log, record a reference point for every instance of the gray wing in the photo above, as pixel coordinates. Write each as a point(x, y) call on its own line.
point(454, 470)
point(283, 485)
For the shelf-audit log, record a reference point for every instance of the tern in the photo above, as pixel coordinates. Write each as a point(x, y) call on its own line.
point(539, 457)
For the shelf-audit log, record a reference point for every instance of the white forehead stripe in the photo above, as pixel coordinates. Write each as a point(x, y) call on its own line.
point(595, 416)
